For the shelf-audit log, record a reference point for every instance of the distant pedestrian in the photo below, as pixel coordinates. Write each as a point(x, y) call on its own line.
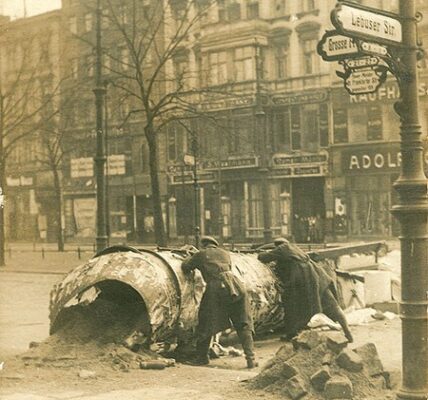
point(308, 290)
point(225, 300)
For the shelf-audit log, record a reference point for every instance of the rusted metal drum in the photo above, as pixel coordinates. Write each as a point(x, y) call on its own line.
point(171, 299)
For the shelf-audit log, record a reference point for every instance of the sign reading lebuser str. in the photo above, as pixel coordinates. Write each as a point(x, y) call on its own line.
point(366, 23)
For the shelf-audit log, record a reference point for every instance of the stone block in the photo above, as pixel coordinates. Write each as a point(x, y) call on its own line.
point(336, 341)
point(295, 387)
point(338, 387)
point(370, 357)
point(349, 360)
point(307, 340)
point(378, 382)
point(320, 378)
point(327, 359)
point(279, 371)
point(285, 352)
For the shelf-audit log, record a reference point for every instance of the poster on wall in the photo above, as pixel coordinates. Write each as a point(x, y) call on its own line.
point(84, 215)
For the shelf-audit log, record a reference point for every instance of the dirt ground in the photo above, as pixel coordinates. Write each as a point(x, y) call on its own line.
point(24, 299)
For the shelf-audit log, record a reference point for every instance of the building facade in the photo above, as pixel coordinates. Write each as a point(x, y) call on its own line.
point(274, 141)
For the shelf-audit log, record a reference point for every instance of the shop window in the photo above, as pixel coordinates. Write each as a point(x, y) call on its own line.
point(340, 125)
point(310, 128)
point(374, 123)
point(244, 63)
point(323, 125)
point(218, 67)
point(252, 9)
point(281, 129)
point(254, 209)
point(310, 57)
point(295, 128)
point(175, 142)
point(357, 123)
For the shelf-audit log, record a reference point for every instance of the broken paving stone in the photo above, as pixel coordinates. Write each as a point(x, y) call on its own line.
point(284, 353)
point(279, 371)
point(349, 360)
point(295, 387)
point(307, 340)
point(370, 357)
point(327, 359)
point(86, 374)
point(33, 345)
point(336, 341)
point(320, 378)
point(338, 387)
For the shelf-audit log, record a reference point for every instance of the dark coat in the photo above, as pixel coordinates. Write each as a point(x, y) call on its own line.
point(225, 298)
point(304, 284)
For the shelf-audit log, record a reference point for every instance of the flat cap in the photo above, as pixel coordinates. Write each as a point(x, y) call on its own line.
point(280, 240)
point(209, 239)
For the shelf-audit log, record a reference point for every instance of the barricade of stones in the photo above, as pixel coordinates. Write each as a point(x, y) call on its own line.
point(321, 366)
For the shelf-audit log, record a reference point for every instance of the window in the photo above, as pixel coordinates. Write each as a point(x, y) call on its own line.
point(340, 122)
point(106, 63)
point(123, 14)
point(72, 25)
point(308, 5)
point(244, 64)
point(144, 157)
point(218, 67)
point(309, 56)
point(280, 7)
point(88, 22)
point(357, 123)
point(281, 129)
point(105, 21)
point(181, 73)
point(234, 11)
point(281, 61)
point(175, 142)
point(310, 128)
point(253, 9)
point(254, 209)
point(124, 59)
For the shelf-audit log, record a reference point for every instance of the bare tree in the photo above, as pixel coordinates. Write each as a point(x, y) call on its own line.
point(151, 36)
point(28, 94)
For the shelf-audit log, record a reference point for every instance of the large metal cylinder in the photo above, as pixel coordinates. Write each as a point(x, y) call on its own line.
point(171, 299)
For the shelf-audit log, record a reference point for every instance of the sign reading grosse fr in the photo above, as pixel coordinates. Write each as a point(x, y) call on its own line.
point(366, 23)
point(335, 47)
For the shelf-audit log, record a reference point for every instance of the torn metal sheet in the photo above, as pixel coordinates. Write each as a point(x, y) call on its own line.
point(171, 299)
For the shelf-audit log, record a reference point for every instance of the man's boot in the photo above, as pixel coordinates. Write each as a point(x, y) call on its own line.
point(246, 337)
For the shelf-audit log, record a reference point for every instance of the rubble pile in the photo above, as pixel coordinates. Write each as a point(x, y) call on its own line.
point(321, 366)
point(92, 335)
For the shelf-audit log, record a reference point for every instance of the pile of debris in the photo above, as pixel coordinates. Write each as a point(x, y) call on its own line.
point(94, 335)
point(321, 366)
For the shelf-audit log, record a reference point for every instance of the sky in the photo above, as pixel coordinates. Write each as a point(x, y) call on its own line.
point(15, 8)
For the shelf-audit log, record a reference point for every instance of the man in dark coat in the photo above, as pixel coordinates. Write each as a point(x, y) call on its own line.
point(308, 290)
point(225, 300)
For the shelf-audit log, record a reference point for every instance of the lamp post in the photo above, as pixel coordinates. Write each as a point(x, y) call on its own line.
point(260, 118)
point(100, 158)
point(196, 190)
point(412, 213)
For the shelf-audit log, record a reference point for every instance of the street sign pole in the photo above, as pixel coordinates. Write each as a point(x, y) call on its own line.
point(412, 212)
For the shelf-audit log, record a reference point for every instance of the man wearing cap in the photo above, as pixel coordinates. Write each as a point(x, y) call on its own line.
point(308, 290)
point(225, 299)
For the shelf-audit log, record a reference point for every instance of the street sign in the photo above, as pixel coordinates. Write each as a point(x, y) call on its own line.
point(334, 47)
point(364, 80)
point(372, 48)
point(367, 23)
point(361, 62)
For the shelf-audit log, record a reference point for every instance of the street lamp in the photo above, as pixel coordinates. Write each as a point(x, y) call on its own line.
point(100, 157)
point(412, 212)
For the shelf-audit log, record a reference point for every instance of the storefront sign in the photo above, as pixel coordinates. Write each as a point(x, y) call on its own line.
point(301, 98)
point(188, 178)
point(279, 159)
point(82, 167)
point(116, 164)
point(19, 181)
point(390, 91)
point(230, 163)
point(364, 22)
point(220, 104)
point(372, 159)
